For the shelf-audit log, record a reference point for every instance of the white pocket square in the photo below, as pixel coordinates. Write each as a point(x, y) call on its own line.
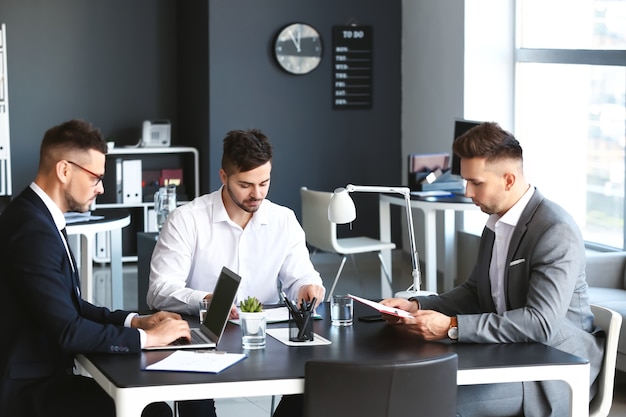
point(517, 261)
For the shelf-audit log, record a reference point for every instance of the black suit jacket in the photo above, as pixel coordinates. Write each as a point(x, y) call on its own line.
point(44, 319)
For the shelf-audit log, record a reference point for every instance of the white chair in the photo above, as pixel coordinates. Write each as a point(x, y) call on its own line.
point(322, 234)
point(610, 321)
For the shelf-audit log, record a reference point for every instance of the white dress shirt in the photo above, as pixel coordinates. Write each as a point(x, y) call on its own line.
point(503, 228)
point(199, 238)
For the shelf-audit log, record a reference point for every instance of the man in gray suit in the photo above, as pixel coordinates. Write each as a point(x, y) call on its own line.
point(528, 284)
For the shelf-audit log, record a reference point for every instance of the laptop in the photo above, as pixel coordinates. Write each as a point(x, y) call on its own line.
point(211, 329)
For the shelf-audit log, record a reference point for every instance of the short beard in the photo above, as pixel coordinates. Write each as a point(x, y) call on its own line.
point(239, 203)
point(74, 205)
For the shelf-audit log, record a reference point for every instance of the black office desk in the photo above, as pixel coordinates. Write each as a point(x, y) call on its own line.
point(279, 369)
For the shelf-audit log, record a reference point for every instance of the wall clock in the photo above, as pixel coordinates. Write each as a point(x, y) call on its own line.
point(298, 48)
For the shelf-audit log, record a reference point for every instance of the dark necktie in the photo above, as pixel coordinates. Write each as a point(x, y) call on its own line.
point(489, 236)
point(69, 250)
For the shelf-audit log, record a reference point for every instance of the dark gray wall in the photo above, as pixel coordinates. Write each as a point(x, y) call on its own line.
point(208, 67)
point(315, 146)
point(112, 62)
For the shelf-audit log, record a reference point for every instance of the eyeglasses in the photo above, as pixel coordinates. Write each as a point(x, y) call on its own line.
point(98, 178)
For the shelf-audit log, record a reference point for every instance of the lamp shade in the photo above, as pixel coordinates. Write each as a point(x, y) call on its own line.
point(341, 208)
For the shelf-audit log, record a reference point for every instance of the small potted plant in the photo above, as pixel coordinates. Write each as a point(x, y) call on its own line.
point(252, 322)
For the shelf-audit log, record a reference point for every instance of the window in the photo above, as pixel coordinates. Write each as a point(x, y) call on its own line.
point(570, 108)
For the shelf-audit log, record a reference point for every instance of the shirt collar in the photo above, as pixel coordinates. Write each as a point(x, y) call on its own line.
point(512, 216)
point(55, 211)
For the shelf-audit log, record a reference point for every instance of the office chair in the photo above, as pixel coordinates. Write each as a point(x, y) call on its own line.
point(610, 321)
point(381, 389)
point(322, 234)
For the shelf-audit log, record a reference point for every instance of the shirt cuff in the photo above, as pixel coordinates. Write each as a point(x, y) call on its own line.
point(142, 334)
point(129, 319)
point(142, 337)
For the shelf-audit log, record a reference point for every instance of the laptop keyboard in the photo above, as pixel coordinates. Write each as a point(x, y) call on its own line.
point(196, 338)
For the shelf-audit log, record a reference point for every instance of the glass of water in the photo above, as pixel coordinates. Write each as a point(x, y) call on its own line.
point(341, 310)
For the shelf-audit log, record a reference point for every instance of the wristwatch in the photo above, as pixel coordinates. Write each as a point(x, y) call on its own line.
point(453, 330)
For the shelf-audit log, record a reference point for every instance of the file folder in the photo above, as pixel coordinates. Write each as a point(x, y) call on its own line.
point(131, 181)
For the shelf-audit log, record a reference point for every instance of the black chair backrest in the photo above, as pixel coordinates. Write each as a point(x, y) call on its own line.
point(381, 389)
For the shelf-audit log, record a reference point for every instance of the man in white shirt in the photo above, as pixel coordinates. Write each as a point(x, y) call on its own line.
point(236, 227)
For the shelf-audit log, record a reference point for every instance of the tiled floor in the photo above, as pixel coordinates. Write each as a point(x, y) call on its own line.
point(365, 282)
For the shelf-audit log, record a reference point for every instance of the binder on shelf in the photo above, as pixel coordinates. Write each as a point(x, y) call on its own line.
point(151, 221)
point(101, 248)
point(131, 181)
point(119, 198)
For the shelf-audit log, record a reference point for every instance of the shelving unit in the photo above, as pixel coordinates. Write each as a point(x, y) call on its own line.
point(5, 142)
point(142, 213)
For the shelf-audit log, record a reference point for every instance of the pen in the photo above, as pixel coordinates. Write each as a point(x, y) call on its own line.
point(294, 311)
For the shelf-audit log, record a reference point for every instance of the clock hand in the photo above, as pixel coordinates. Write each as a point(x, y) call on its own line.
point(299, 38)
point(295, 42)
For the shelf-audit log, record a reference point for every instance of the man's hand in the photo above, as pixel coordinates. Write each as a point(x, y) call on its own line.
point(234, 313)
point(148, 322)
point(308, 292)
point(166, 331)
point(427, 324)
point(401, 304)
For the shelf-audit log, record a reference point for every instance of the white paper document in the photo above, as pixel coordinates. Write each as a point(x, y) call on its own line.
point(432, 193)
point(210, 361)
point(381, 307)
point(75, 217)
point(282, 335)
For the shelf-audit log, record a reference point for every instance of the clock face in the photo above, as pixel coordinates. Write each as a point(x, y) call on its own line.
point(298, 48)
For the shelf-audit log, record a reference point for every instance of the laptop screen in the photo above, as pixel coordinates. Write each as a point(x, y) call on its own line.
point(219, 309)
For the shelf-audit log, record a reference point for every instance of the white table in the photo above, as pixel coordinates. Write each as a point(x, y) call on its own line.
point(429, 208)
point(86, 232)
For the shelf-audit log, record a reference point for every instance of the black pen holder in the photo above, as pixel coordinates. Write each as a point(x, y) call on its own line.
point(301, 326)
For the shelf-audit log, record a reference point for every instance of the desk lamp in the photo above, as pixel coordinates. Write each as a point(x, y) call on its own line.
point(341, 210)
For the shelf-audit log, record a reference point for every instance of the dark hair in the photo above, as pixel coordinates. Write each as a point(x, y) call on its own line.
point(487, 140)
point(73, 135)
point(245, 150)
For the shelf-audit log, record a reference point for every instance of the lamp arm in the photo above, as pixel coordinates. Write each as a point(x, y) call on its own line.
point(416, 274)
point(378, 189)
point(406, 192)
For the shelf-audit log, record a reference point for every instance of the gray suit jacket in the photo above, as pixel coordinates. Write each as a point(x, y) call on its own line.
point(546, 295)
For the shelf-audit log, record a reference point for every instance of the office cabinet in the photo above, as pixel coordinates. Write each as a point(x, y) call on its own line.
point(132, 177)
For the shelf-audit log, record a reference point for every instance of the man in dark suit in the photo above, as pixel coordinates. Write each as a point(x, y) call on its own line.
point(528, 284)
point(45, 320)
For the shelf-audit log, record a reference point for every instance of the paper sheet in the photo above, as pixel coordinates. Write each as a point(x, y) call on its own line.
point(282, 335)
point(381, 307)
point(210, 361)
point(75, 217)
point(432, 193)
